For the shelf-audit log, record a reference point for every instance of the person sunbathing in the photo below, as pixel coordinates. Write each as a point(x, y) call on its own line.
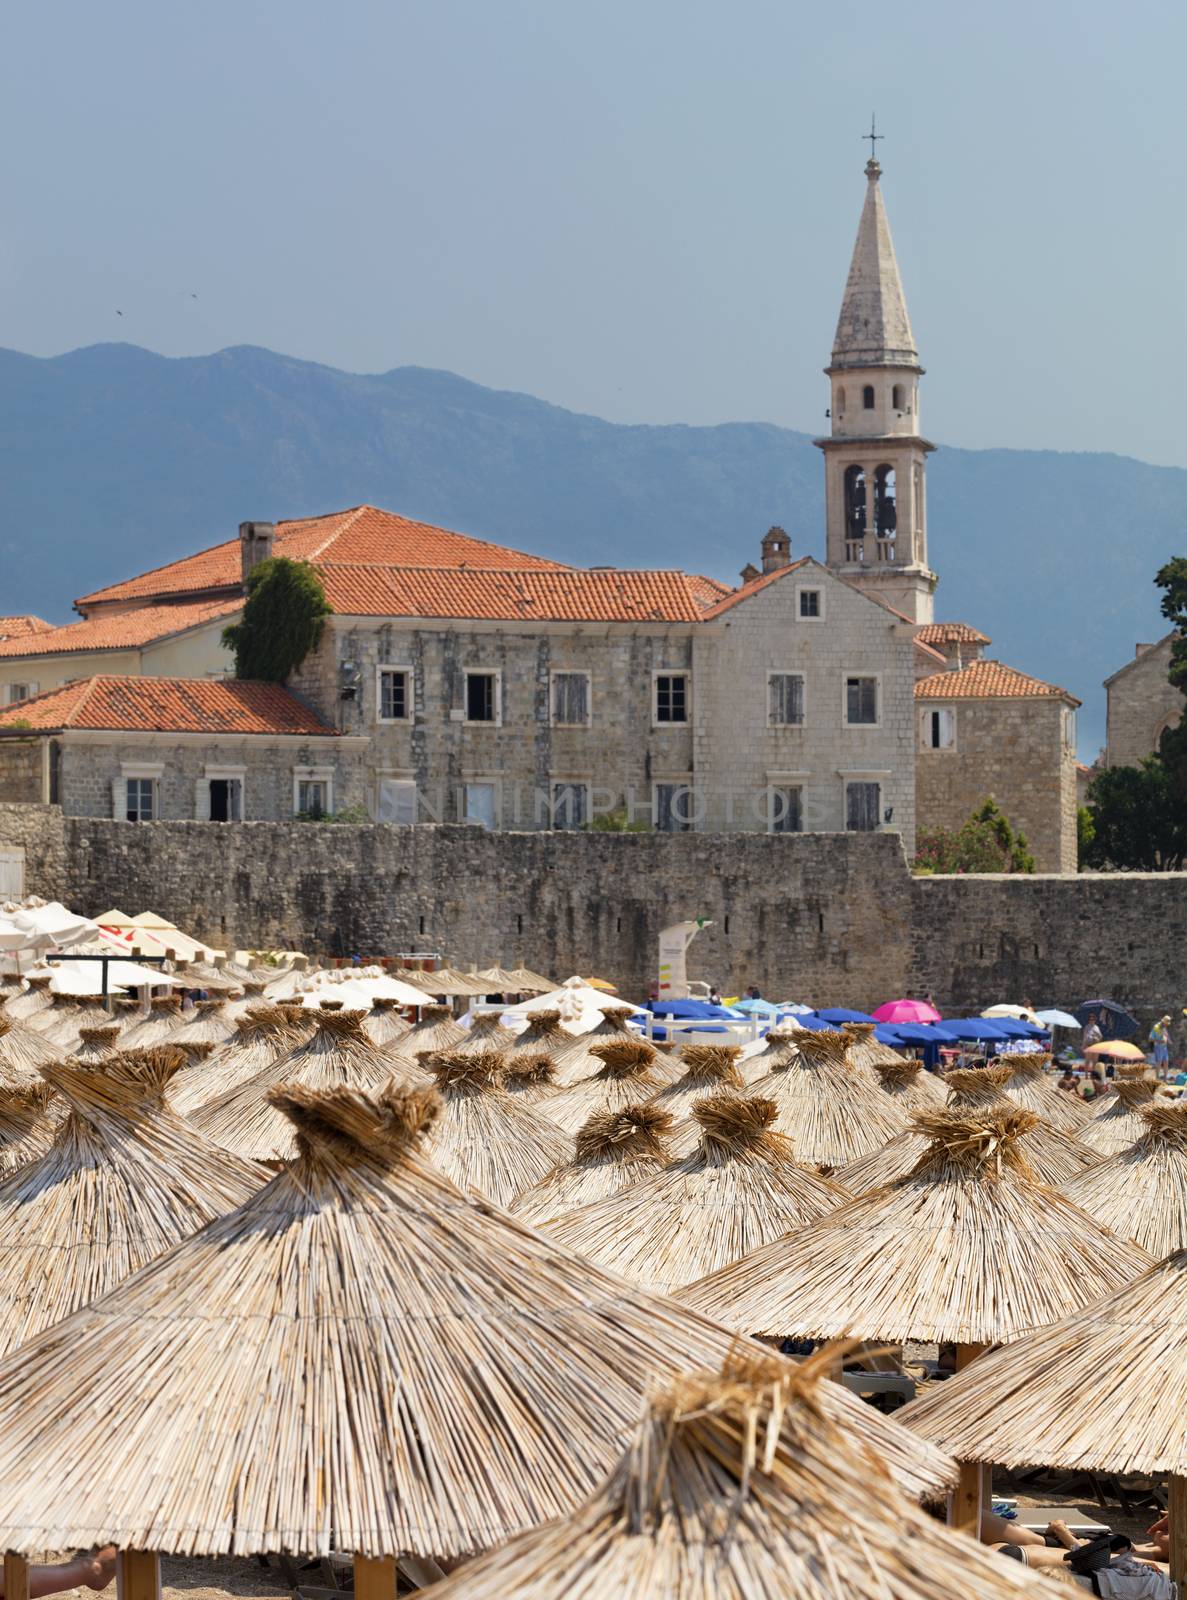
point(1034, 1551)
point(94, 1572)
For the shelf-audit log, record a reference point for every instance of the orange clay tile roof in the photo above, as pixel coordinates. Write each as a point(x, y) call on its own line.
point(950, 633)
point(708, 590)
point(928, 653)
point(363, 534)
point(565, 595)
point(166, 705)
point(745, 590)
point(121, 630)
point(988, 680)
point(21, 627)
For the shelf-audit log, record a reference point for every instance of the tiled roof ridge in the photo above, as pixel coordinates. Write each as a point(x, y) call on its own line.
point(84, 636)
point(988, 680)
point(959, 632)
point(745, 590)
point(203, 705)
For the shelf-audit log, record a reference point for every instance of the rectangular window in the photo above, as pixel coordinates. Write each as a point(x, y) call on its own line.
point(395, 697)
point(570, 805)
point(482, 697)
point(939, 729)
point(226, 799)
point(671, 808)
point(570, 699)
point(863, 804)
point(313, 797)
point(809, 602)
point(861, 702)
point(21, 691)
point(786, 699)
point(141, 794)
point(397, 801)
point(671, 697)
point(785, 809)
point(479, 802)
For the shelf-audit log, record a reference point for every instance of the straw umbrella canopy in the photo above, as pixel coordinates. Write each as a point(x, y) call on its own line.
point(1120, 1123)
point(164, 1018)
point(26, 1124)
point(359, 1358)
point(900, 1077)
point(202, 1031)
point(1141, 1192)
point(124, 1179)
point(613, 1150)
point(778, 1046)
point(832, 1111)
point(741, 1189)
point(544, 1034)
point(529, 982)
point(738, 1487)
point(630, 1073)
point(97, 1044)
point(251, 993)
point(1102, 1390)
point(573, 1059)
point(1029, 1086)
point(384, 1025)
point(205, 975)
point(1053, 1156)
point(436, 1030)
point(709, 1069)
point(486, 1139)
point(486, 1032)
point(61, 1024)
point(262, 1036)
point(531, 1079)
point(246, 1122)
point(22, 1054)
point(36, 998)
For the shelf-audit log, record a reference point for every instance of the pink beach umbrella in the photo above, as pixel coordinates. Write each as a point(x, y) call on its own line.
point(906, 1011)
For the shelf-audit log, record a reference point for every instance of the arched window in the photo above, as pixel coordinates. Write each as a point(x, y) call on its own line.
point(885, 507)
point(839, 408)
point(899, 397)
point(855, 512)
point(867, 397)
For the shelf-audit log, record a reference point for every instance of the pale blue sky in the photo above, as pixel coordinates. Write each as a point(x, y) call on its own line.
point(638, 208)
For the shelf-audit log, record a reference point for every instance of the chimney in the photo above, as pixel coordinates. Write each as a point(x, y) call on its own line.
point(749, 572)
point(255, 545)
point(776, 550)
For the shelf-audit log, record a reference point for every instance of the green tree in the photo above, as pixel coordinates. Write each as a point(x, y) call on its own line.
point(1171, 578)
point(1085, 836)
point(282, 621)
point(987, 842)
point(1139, 822)
point(615, 822)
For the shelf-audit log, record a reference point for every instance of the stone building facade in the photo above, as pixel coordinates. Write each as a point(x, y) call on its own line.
point(1142, 704)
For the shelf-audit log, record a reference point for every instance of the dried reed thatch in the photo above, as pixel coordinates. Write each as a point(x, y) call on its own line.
point(164, 1018)
point(741, 1487)
point(832, 1111)
point(61, 1025)
point(545, 1034)
point(1119, 1122)
point(96, 1044)
point(485, 1139)
point(123, 1181)
point(436, 1030)
point(631, 1072)
point(900, 1077)
point(26, 1125)
point(250, 993)
point(1141, 1192)
point(36, 998)
point(739, 1190)
point(574, 1060)
point(486, 1032)
point(531, 1079)
point(203, 1029)
point(246, 1122)
point(1031, 1086)
point(967, 1247)
point(778, 1048)
point(384, 1025)
point(262, 1036)
point(205, 975)
point(359, 1358)
point(22, 1054)
point(708, 1069)
point(613, 1150)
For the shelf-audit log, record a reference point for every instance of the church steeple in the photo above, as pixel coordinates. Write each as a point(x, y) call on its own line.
point(875, 487)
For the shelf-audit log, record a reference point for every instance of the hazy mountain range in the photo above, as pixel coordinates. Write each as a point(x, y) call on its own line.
point(113, 459)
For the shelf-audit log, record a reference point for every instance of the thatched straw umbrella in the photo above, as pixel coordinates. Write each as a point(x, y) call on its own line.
point(903, 1079)
point(262, 1036)
point(164, 1018)
point(531, 1079)
point(22, 1054)
point(525, 981)
point(251, 993)
point(436, 1030)
point(738, 1191)
point(968, 1247)
point(736, 1487)
point(631, 1072)
point(203, 1030)
point(485, 1139)
point(123, 1181)
point(361, 1358)
point(36, 998)
point(1141, 1192)
point(613, 1150)
point(544, 1035)
point(1119, 1122)
point(709, 1069)
point(1100, 1391)
point(778, 1046)
point(485, 1033)
point(1052, 1155)
point(573, 1059)
point(1031, 1087)
point(384, 1025)
point(26, 1124)
point(244, 1121)
point(62, 1023)
point(97, 1044)
point(832, 1112)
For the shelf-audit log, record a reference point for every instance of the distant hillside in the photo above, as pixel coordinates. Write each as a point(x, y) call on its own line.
point(113, 459)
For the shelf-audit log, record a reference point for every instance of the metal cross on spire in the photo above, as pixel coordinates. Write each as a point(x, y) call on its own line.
point(873, 136)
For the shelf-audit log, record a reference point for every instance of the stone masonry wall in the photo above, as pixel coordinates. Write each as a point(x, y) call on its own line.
point(20, 771)
point(1141, 704)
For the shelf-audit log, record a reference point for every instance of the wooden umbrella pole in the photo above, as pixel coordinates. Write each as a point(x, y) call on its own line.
point(137, 1575)
point(1176, 1506)
point(969, 1496)
point(16, 1577)
point(375, 1577)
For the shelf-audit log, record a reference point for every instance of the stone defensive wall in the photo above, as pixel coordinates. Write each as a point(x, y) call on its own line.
point(837, 918)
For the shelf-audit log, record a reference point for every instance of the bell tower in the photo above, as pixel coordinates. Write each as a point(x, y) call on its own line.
point(875, 456)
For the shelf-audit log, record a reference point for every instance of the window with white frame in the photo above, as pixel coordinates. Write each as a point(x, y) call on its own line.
point(397, 801)
point(938, 728)
point(313, 792)
point(140, 797)
point(785, 699)
point(482, 696)
point(863, 806)
point(811, 605)
point(20, 691)
point(570, 805)
point(395, 694)
point(861, 701)
point(671, 697)
point(785, 808)
point(478, 801)
point(570, 699)
point(671, 807)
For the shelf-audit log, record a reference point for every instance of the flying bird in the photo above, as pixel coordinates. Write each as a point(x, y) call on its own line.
point(119, 313)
